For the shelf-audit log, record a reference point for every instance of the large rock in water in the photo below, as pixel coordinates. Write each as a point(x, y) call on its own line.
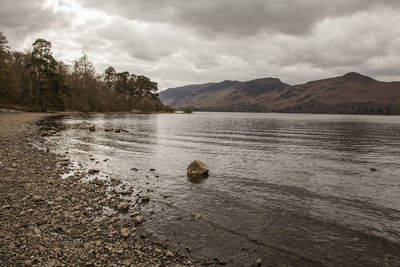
point(197, 168)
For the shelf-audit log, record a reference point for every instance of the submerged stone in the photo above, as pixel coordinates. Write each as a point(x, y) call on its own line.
point(145, 198)
point(93, 171)
point(138, 219)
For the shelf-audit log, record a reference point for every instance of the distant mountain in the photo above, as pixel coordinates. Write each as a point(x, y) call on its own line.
point(351, 93)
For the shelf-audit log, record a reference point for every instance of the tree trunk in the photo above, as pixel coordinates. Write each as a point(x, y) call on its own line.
point(30, 94)
point(38, 93)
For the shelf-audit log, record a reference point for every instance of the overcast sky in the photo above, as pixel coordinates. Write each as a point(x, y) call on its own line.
point(179, 42)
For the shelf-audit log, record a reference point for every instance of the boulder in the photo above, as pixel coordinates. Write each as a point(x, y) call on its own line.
point(197, 168)
point(92, 128)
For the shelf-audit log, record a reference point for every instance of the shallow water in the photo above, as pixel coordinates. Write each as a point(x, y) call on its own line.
point(287, 188)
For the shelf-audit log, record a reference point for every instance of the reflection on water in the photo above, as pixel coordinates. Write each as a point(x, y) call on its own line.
point(197, 179)
point(283, 187)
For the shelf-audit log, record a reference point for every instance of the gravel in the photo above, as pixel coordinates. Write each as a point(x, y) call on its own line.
point(49, 221)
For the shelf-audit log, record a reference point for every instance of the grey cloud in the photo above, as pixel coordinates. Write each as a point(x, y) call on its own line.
point(349, 42)
point(240, 17)
point(189, 41)
point(21, 18)
point(147, 44)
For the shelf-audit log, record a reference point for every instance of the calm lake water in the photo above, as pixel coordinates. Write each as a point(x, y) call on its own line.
point(293, 189)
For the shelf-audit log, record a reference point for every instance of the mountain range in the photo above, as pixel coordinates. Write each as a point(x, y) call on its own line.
point(351, 93)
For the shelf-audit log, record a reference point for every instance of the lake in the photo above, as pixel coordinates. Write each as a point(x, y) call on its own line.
point(286, 188)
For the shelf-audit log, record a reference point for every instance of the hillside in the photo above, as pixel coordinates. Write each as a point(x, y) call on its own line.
point(350, 93)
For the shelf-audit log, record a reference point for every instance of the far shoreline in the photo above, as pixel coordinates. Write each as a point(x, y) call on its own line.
point(13, 109)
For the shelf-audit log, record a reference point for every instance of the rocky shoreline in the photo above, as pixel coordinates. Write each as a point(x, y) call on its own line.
point(49, 221)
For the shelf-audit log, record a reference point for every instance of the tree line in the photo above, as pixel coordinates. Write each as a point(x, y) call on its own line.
point(35, 80)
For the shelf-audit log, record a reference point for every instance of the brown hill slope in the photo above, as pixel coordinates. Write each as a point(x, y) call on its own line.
point(350, 93)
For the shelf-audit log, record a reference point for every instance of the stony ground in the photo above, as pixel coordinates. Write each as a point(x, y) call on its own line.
point(49, 221)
